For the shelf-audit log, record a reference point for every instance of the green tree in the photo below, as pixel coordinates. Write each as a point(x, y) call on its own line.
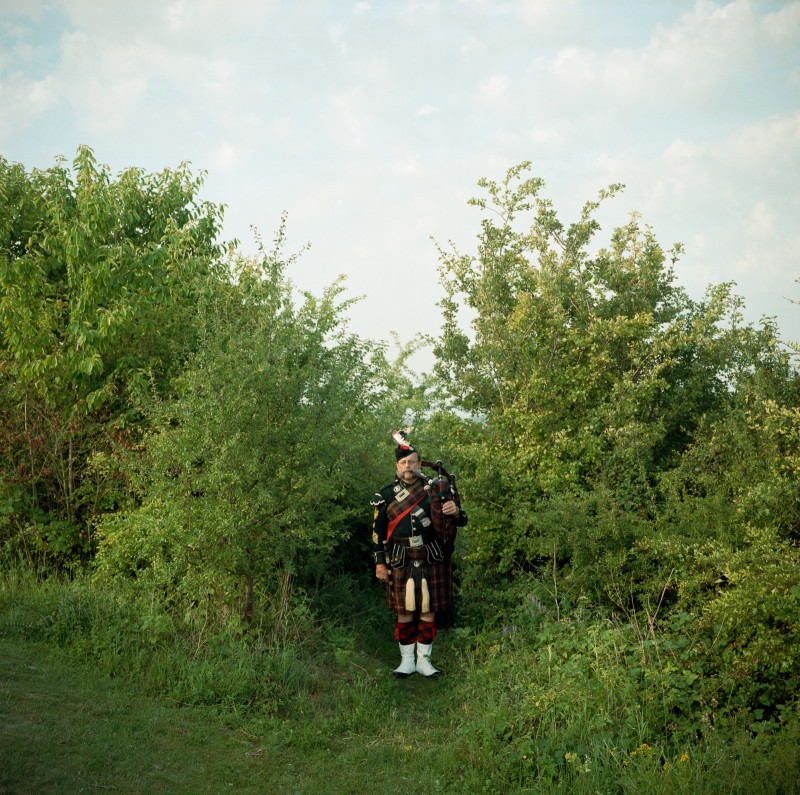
point(586, 373)
point(100, 278)
point(630, 445)
point(246, 480)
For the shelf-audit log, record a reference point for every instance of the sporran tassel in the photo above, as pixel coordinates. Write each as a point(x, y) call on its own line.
point(411, 601)
point(426, 596)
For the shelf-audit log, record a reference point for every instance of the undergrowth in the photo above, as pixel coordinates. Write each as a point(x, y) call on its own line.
point(542, 703)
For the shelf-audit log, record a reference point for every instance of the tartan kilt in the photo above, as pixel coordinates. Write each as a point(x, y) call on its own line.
point(438, 575)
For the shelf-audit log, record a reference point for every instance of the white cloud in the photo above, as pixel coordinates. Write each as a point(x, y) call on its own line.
point(371, 122)
point(32, 9)
point(199, 21)
point(746, 171)
point(176, 16)
point(681, 150)
point(280, 128)
point(21, 102)
point(547, 133)
point(744, 265)
point(114, 104)
point(108, 98)
point(775, 137)
point(572, 64)
point(42, 94)
point(761, 220)
point(337, 33)
point(351, 116)
point(545, 13)
point(695, 63)
point(408, 166)
point(227, 157)
point(783, 25)
point(426, 110)
point(472, 45)
point(419, 11)
point(219, 77)
point(493, 89)
point(74, 44)
point(696, 51)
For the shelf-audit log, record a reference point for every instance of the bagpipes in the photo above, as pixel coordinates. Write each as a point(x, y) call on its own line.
point(441, 489)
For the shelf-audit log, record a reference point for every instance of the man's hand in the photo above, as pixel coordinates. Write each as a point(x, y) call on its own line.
point(450, 508)
point(382, 572)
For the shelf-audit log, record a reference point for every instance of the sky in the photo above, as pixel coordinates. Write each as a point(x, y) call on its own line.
point(370, 123)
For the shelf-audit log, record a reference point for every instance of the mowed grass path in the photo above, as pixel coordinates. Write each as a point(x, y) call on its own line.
point(67, 729)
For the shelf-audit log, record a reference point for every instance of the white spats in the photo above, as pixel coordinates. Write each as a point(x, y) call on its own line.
point(407, 666)
point(424, 665)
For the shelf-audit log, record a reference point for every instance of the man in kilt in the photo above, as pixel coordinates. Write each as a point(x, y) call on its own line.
point(412, 535)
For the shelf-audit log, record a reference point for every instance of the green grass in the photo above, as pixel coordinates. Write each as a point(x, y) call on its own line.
point(545, 709)
point(66, 729)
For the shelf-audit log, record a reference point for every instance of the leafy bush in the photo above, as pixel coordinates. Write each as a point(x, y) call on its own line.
point(585, 377)
point(600, 705)
point(244, 481)
point(100, 281)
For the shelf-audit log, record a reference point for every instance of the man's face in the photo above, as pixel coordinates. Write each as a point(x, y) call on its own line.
point(408, 467)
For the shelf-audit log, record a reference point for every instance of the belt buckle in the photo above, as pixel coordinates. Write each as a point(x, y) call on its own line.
point(415, 541)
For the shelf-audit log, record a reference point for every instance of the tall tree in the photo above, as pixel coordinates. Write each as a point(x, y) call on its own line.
point(587, 371)
point(100, 279)
point(246, 479)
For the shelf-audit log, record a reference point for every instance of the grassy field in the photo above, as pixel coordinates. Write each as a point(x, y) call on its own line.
point(554, 712)
point(65, 729)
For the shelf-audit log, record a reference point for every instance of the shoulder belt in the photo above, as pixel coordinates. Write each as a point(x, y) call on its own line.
point(397, 518)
